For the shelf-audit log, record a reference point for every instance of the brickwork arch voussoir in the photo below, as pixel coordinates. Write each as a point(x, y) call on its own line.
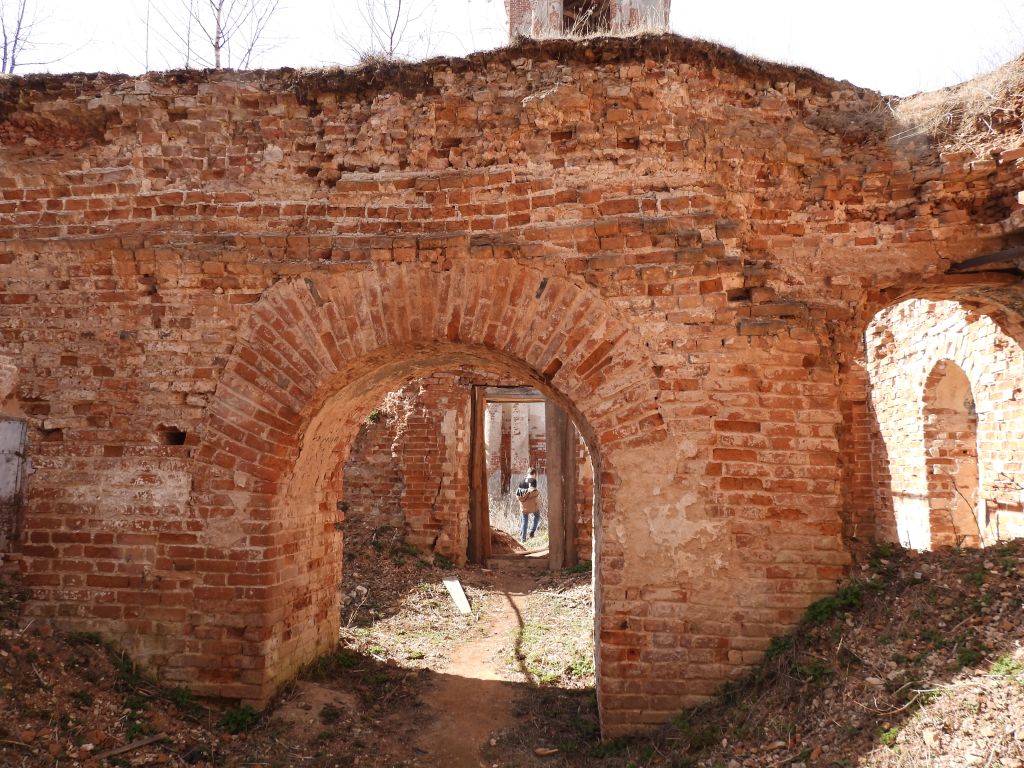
point(308, 361)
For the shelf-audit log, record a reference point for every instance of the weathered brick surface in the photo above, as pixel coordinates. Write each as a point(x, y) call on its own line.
point(207, 281)
point(409, 468)
point(933, 447)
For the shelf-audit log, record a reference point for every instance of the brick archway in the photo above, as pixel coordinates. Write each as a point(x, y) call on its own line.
point(950, 442)
point(315, 356)
point(978, 330)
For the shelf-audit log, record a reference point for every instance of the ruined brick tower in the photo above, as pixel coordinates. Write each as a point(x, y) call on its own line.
point(544, 18)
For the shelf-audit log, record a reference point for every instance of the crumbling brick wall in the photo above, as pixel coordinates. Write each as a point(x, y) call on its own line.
point(538, 438)
point(373, 480)
point(409, 466)
point(208, 280)
point(950, 442)
point(912, 347)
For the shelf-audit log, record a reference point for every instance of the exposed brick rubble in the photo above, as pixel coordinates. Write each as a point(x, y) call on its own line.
point(209, 280)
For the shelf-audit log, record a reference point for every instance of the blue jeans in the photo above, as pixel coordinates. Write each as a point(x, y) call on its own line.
point(526, 520)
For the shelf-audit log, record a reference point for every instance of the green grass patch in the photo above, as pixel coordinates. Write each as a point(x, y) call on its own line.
point(970, 653)
point(846, 599)
point(888, 737)
point(933, 637)
point(976, 577)
point(184, 701)
point(332, 664)
point(1007, 666)
point(698, 735)
point(815, 671)
point(443, 562)
point(239, 719)
point(778, 646)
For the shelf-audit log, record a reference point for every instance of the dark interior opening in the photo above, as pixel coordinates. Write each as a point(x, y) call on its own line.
point(172, 436)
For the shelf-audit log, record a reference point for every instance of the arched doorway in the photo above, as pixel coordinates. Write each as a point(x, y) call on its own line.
point(316, 358)
point(951, 457)
point(944, 412)
point(411, 469)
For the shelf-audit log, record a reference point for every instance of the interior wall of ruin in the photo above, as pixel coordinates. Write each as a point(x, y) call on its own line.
point(409, 466)
point(417, 440)
point(950, 442)
point(923, 437)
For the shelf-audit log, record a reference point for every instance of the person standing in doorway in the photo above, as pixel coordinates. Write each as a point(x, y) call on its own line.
point(529, 503)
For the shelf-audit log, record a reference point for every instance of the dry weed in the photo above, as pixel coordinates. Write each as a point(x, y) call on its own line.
point(966, 116)
point(396, 608)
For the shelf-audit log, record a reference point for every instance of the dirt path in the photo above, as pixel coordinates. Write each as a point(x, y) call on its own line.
point(470, 702)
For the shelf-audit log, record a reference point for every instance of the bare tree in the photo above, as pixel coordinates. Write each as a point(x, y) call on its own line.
point(17, 20)
point(392, 29)
point(217, 33)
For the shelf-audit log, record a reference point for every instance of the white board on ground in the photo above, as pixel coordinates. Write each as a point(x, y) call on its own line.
point(454, 587)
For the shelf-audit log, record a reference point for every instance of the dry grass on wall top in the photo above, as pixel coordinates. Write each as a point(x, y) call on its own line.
point(969, 116)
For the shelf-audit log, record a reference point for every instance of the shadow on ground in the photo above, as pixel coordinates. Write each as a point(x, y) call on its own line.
point(917, 661)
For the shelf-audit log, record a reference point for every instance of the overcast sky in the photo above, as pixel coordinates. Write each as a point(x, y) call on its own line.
point(894, 46)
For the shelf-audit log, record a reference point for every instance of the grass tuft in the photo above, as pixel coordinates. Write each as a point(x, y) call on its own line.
point(965, 116)
point(239, 719)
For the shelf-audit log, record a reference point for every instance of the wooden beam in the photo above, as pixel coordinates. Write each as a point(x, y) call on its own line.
point(554, 424)
point(570, 465)
point(514, 395)
point(479, 546)
point(1010, 254)
point(561, 449)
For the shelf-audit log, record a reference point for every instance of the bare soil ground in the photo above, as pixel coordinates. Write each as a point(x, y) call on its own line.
point(917, 661)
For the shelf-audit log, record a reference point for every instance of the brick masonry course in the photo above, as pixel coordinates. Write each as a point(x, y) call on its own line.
point(208, 280)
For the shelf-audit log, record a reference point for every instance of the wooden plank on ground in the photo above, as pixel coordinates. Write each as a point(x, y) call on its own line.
point(454, 587)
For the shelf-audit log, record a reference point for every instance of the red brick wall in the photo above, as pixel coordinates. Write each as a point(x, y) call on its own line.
point(912, 346)
point(951, 457)
point(538, 439)
point(544, 17)
point(676, 243)
point(520, 17)
point(434, 456)
point(408, 469)
point(373, 479)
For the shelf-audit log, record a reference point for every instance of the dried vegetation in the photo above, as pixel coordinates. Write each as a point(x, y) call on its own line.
point(555, 642)
point(971, 116)
point(387, 582)
point(916, 661)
